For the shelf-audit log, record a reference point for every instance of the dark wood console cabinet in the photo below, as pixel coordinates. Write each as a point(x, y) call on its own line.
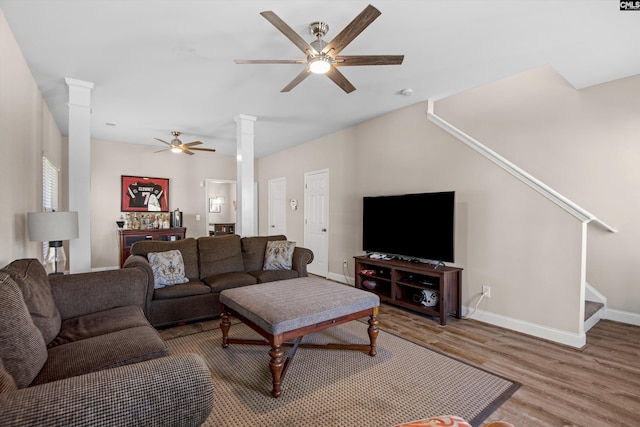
point(222, 229)
point(129, 237)
point(401, 283)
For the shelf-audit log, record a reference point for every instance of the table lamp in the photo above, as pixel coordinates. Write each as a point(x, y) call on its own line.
point(53, 227)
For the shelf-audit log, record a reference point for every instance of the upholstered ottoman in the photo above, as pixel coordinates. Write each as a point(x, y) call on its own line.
point(289, 309)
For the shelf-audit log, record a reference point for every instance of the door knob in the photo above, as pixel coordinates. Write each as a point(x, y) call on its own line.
point(324, 230)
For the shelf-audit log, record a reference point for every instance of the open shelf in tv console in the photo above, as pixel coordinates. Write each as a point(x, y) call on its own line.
point(401, 283)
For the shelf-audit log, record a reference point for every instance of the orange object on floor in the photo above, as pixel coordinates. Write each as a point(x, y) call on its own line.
point(450, 421)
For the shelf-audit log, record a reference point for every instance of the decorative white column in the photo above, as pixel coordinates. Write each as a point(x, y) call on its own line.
point(247, 209)
point(80, 172)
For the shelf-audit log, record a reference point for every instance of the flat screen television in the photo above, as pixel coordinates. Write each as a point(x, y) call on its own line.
point(414, 226)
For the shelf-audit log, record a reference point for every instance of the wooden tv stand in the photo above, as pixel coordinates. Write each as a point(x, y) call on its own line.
point(401, 283)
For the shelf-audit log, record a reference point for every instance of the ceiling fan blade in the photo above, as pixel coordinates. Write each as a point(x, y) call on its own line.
point(161, 140)
point(296, 81)
point(160, 151)
point(285, 29)
point(190, 144)
point(204, 149)
point(186, 151)
point(339, 79)
point(351, 31)
point(352, 60)
point(270, 61)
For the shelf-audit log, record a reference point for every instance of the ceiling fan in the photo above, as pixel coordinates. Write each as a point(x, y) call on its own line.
point(177, 146)
point(323, 57)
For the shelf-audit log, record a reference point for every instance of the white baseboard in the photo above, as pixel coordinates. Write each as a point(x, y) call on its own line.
point(591, 321)
point(105, 268)
point(622, 316)
point(551, 334)
point(544, 332)
point(529, 328)
point(341, 278)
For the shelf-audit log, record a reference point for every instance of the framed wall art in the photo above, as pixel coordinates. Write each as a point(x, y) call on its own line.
point(214, 205)
point(142, 194)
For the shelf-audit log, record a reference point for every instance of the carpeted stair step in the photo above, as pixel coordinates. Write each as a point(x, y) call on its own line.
point(591, 308)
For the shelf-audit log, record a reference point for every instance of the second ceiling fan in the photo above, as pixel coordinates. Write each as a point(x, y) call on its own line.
point(323, 57)
point(178, 147)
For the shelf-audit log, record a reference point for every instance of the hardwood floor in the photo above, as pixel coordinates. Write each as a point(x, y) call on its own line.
point(598, 385)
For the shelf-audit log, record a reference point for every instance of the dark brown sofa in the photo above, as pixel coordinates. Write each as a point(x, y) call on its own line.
point(77, 350)
point(211, 264)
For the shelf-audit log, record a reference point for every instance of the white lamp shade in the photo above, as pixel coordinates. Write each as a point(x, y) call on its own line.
point(52, 226)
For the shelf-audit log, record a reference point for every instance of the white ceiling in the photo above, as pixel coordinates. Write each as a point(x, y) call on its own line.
point(163, 65)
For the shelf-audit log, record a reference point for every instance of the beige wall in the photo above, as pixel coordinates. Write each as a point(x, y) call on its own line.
point(187, 190)
point(27, 131)
point(338, 150)
point(582, 143)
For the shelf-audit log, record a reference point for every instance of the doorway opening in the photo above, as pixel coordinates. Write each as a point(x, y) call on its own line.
point(221, 206)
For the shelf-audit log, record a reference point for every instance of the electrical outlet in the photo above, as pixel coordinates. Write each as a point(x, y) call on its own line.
point(345, 264)
point(486, 291)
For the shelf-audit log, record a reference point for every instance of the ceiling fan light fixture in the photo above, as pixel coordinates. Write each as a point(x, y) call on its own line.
point(319, 64)
point(176, 146)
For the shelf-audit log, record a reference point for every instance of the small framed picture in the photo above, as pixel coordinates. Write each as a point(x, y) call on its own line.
point(214, 205)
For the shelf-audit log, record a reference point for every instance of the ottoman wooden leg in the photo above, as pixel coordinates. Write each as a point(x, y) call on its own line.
point(373, 334)
point(276, 364)
point(225, 324)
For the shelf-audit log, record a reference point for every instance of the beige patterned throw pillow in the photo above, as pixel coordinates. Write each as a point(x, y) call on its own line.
point(168, 268)
point(278, 255)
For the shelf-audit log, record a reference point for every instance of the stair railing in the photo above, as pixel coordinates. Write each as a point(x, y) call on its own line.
point(548, 192)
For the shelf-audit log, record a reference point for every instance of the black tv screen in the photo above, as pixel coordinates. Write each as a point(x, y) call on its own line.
point(410, 225)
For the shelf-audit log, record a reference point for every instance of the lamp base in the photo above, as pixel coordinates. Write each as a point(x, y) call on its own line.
point(56, 259)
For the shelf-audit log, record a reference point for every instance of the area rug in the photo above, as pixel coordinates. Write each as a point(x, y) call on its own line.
point(404, 382)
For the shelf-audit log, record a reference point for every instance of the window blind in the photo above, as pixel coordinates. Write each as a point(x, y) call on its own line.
point(50, 183)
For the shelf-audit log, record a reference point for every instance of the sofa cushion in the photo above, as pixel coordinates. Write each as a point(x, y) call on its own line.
point(22, 347)
point(165, 312)
point(194, 287)
point(168, 268)
point(278, 255)
point(99, 323)
point(33, 281)
point(253, 249)
point(106, 351)
point(7, 384)
point(188, 248)
point(265, 276)
point(220, 254)
point(220, 282)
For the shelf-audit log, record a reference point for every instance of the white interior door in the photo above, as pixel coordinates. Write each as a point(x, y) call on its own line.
point(277, 206)
point(316, 220)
